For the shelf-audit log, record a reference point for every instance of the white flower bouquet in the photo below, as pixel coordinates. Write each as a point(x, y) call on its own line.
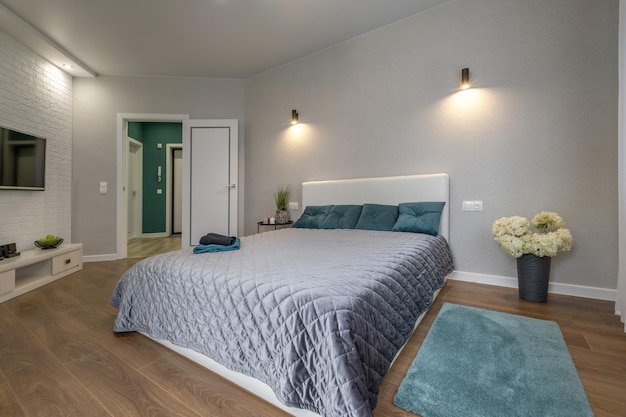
point(516, 238)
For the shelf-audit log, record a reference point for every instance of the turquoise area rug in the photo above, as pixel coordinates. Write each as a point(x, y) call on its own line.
point(481, 363)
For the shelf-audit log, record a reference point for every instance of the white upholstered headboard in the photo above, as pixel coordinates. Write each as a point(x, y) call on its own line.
point(382, 190)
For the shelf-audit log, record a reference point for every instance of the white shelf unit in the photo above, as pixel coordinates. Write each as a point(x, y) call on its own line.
point(36, 267)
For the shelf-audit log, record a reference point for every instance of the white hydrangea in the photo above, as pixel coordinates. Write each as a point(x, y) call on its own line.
point(516, 238)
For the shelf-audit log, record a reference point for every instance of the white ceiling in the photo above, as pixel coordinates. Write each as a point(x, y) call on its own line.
point(192, 38)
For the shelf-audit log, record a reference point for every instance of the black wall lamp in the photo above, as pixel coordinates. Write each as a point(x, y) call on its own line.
point(465, 80)
point(294, 117)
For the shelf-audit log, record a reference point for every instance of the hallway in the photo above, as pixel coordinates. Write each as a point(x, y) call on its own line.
point(144, 247)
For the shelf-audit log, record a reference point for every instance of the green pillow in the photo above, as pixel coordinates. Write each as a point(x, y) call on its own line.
point(312, 217)
point(377, 217)
point(419, 217)
point(342, 217)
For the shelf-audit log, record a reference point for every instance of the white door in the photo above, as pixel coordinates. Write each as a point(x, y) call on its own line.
point(135, 167)
point(210, 149)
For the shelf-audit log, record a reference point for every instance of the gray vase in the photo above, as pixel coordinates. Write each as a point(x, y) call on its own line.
point(533, 277)
point(282, 216)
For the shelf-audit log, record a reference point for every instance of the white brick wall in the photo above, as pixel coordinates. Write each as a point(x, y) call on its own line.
point(36, 98)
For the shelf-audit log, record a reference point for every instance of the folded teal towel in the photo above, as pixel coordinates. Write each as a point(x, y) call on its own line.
point(216, 248)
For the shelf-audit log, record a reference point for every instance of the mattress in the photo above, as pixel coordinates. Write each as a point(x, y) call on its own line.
point(318, 315)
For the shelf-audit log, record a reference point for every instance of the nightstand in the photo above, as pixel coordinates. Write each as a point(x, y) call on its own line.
point(275, 225)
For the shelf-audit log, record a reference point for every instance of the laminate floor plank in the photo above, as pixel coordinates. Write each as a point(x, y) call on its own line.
point(134, 348)
point(214, 396)
point(123, 390)
point(143, 247)
point(605, 391)
point(42, 385)
point(613, 364)
point(56, 329)
point(9, 405)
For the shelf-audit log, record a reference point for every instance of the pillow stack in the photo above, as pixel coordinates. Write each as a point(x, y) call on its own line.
point(420, 217)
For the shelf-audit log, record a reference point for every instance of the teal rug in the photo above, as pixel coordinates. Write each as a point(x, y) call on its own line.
point(481, 363)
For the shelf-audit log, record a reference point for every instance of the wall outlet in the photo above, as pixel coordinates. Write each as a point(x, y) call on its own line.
point(103, 187)
point(293, 205)
point(473, 205)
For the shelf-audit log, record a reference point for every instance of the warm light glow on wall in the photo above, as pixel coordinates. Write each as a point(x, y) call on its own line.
point(466, 113)
point(466, 97)
point(297, 139)
point(58, 78)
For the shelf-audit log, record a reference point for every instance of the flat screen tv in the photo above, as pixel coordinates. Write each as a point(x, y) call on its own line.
point(22, 161)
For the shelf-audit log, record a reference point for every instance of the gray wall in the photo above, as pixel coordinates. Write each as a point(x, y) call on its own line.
point(537, 132)
point(97, 101)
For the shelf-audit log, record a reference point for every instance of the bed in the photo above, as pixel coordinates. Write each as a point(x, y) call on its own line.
point(311, 318)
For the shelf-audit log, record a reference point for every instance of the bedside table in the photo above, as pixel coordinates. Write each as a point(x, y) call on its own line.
point(275, 225)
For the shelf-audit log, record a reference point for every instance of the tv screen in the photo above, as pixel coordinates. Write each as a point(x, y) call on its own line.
point(22, 161)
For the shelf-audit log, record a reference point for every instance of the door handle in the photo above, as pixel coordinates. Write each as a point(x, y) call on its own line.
point(232, 186)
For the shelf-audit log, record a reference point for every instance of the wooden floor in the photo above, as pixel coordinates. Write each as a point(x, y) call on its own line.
point(60, 357)
point(149, 246)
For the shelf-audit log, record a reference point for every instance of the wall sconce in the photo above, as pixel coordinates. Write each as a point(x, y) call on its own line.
point(294, 117)
point(465, 80)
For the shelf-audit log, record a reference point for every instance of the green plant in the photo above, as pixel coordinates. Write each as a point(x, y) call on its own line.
point(50, 241)
point(281, 197)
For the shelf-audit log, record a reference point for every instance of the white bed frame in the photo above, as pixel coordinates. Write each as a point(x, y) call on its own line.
point(381, 190)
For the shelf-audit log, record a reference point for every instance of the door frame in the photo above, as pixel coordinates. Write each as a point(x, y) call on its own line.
point(169, 184)
point(121, 245)
point(138, 177)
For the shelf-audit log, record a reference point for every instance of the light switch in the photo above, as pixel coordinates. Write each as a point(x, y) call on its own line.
point(475, 205)
point(103, 187)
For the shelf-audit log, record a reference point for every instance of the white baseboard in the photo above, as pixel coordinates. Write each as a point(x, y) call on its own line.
point(554, 287)
point(154, 235)
point(101, 258)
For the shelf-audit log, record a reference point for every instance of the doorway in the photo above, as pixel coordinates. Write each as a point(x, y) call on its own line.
point(140, 244)
point(123, 187)
point(219, 190)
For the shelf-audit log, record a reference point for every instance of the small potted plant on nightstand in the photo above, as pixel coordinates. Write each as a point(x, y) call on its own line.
point(281, 198)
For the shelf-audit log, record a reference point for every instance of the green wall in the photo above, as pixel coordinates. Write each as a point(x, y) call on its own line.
point(151, 134)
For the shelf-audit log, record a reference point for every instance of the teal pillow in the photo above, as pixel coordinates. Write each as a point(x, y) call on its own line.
point(312, 217)
point(419, 217)
point(377, 217)
point(342, 217)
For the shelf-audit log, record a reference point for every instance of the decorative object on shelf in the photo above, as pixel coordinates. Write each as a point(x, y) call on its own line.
point(49, 242)
point(533, 250)
point(281, 198)
point(8, 251)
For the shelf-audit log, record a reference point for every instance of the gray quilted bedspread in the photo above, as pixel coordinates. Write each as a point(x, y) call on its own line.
point(318, 315)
